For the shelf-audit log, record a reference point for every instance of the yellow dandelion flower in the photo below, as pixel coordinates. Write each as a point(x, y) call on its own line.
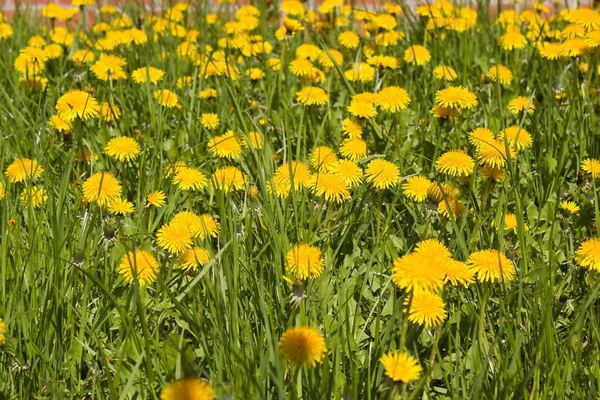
point(515, 134)
point(188, 389)
point(225, 146)
point(382, 174)
point(417, 54)
point(101, 188)
point(416, 272)
point(22, 169)
point(121, 207)
point(140, 266)
point(589, 165)
point(322, 157)
point(401, 367)
point(491, 265)
point(312, 95)
point(210, 121)
point(156, 199)
point(190, 179)
point(481, 136)
point(294, 175)
point(570, 207)
point(494, 154)
point(229, 179)
point(349, 39)
point(458, 273)
point(174, 238)
point(362, 109)
point(123, 148)
point(303, 346)
point(513, 40)
point(331, 186)
point(193, 258)
point(393, 99)
point(455, 163)
point(166, 98)
point(351, 128)
point(416, 188)
point(304, 261)
point(521, 103)
point(501, 74)
point(351, 173)
point(34, 196)
point(110, 112)
point(456, 97)
point(588, 254)
point(148, 74)
point(445, 72)
point(426, 308)
point(77, 104)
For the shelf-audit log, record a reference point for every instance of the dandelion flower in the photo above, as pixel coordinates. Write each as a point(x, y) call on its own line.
point(156, 199)
point(455, 163)
point(209, 121)
point(494, 154)
point(229, 179)
point(34, 196)
point(2, 191)
point(351, 173)
point(174, 237)
point(138, 265)
point(225, 146)
point(304, 261)
point(188, 389)
point(77, 104)
point(351, 128)
point(193, 258)
point(491, 265)
point(513, 40)
point(426, 308)
point(2, 331)
point(101, 188)
point(456, 97)
point(416, 188)
point(445, 72)
point(589, 165)
point(121, 207)
point(110, 112)
point(303, 346)
point(322, 157)
point(453, 205)
point(293, 175)
point(570, 207)
point(123, 148)
point(500, 73)
point(588, 254)
point(574, 47)
point(190, 179)
point(148, 74)
point(329, 185)
point(516, 134)
point(458, 273)
point(415, 272)
point(166, 98)
point(312, 95)
point(481, 136)
point(59, 124)
point(302, 67)
point(417, 54)
point(401, 367)
point(22, 169)
point(393, 99)
point(510, 223)
point(382, 174)
point(349, 39)
point(521, 103)
point(362, 109)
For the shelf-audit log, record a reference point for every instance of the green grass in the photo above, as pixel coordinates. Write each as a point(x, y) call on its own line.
point(75, 329)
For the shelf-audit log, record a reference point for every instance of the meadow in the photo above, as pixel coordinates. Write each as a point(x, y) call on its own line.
point(273, 201)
